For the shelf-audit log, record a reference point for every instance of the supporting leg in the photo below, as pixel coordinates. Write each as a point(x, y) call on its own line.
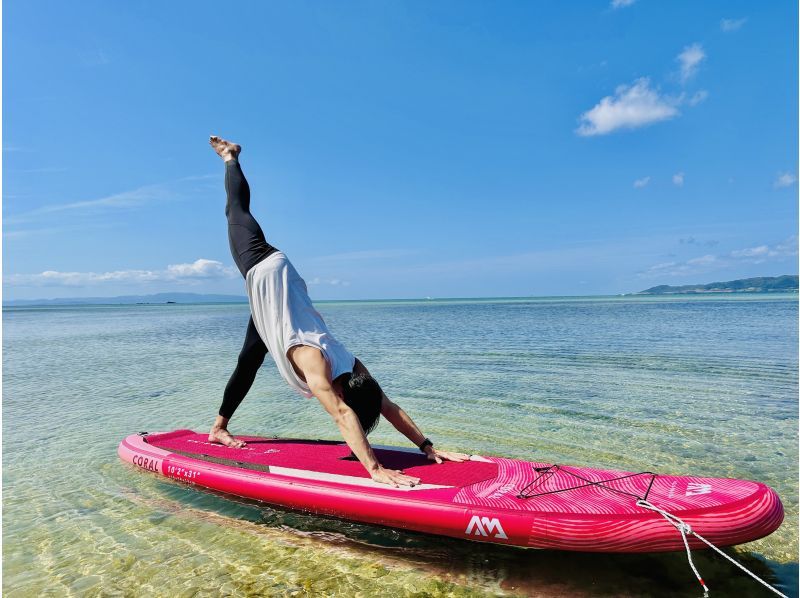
point(250, 359)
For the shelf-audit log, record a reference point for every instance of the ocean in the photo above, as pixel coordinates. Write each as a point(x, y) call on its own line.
point(704, 385)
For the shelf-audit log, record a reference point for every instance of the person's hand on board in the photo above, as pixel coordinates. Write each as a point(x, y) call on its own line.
point(393, 477)
point(442, 456)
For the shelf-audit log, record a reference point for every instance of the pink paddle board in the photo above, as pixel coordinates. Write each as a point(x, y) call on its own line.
point(488, 499)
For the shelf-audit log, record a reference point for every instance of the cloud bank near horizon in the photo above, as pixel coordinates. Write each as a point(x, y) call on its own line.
point(759, 254)
point(199, 270)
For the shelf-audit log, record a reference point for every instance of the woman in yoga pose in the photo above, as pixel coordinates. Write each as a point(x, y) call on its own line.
point(284, 323)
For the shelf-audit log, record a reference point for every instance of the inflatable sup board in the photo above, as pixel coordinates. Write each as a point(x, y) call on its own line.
point(489, 499)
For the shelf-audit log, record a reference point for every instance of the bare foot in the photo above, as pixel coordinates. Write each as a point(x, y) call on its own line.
point(222, 436)
point(225, 149)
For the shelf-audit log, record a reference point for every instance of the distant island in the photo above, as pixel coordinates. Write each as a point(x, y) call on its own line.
point(766, 284)
point(771, 284)
point(158, 298)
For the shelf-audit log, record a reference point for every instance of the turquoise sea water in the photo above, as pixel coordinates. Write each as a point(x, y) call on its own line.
point(704, 385)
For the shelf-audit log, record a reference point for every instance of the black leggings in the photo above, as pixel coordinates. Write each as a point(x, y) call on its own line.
point(248, 247)
point(250, 359)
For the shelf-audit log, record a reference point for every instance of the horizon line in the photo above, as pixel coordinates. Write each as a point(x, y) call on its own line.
point(75, 301)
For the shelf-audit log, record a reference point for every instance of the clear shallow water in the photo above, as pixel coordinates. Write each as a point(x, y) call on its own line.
point(704, 385)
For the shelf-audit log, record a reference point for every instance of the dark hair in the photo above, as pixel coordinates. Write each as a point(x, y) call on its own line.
point(363, 395)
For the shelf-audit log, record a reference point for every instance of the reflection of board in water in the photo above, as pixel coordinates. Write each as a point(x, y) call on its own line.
point(504, 501)
point(489, 566)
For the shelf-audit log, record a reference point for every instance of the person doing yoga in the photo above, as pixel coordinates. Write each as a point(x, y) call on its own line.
point(284, 323)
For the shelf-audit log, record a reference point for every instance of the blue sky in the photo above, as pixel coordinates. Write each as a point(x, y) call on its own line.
point(400, 149)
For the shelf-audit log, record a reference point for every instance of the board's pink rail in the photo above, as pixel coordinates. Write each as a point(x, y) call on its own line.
point(724, 511)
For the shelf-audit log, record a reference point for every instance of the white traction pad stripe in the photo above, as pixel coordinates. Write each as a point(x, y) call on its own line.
point(347, 479)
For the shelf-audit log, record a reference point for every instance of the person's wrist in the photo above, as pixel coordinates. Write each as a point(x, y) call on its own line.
point(425, 445)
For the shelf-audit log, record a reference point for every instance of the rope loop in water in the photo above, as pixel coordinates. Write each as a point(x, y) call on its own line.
point(685, 529)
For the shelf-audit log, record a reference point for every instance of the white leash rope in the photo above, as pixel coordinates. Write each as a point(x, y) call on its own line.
point(684, 529)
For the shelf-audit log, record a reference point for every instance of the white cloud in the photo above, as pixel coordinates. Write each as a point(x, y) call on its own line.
point(638, 105)
point(750, 255)
point(787, 248)
point(693, 266)
point(127, 199)
point(630, 107)
point(140, 196)
point(328, 281)
point(677, 179)
point(762, 253)
point(757, 252)
point(703, 260)
point(785, 179)
point(621, 3)
point(642, 182)
point(731, 25)
point(690, 60)
point(200, 269)
point(697, 97)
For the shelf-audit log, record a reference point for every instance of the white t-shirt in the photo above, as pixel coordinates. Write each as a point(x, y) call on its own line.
point(284, 317)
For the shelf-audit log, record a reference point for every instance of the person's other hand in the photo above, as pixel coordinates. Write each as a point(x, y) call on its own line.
point(393, 477)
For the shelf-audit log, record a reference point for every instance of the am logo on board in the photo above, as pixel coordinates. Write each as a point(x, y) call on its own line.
point(484, 526)
point(694, 488)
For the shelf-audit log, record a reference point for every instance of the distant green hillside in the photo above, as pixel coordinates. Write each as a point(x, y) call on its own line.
point(766, 284)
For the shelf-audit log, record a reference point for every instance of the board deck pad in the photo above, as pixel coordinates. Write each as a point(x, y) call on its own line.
point(328, 457)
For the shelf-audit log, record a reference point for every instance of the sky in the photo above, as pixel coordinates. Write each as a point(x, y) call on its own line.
point(400, 149)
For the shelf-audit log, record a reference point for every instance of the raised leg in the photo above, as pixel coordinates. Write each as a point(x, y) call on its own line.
point(247, 242)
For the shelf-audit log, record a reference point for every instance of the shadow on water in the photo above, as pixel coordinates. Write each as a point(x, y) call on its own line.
point(516, 570)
